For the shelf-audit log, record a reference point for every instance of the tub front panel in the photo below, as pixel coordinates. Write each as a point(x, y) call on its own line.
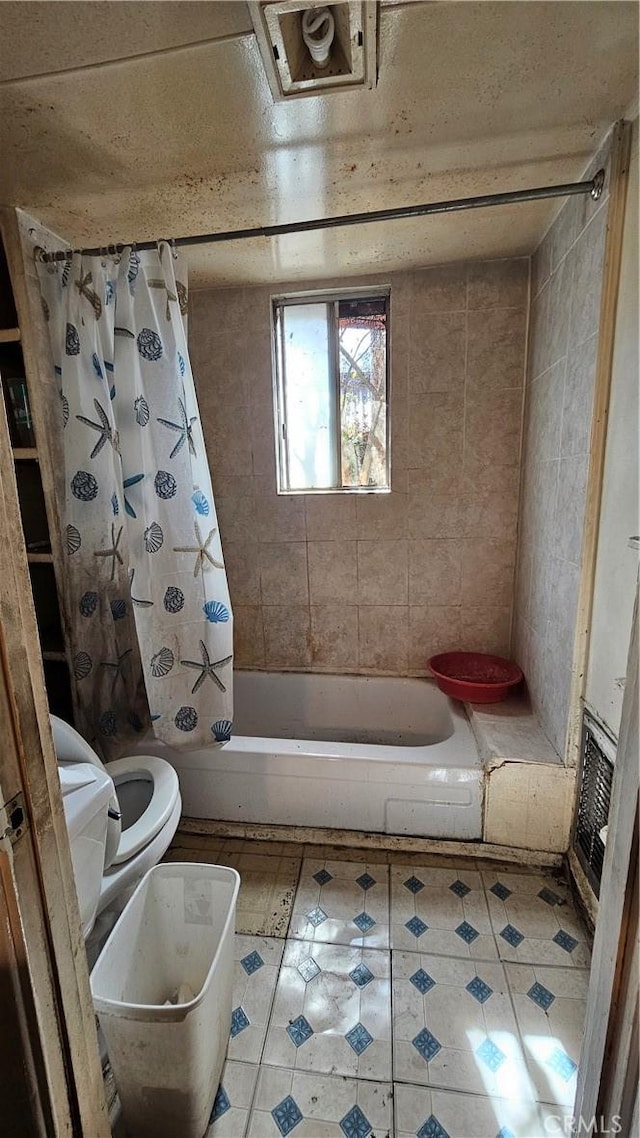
point(428, 790)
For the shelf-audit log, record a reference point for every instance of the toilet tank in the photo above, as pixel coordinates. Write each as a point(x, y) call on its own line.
point(86, 791)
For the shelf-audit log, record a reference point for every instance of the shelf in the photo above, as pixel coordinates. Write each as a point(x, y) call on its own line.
point(40, 558)
point(9, 335)
point(22, 454)
point(59, 657)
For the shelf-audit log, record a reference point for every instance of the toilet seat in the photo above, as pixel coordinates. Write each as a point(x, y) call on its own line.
point(121, 844)
point(157, 813)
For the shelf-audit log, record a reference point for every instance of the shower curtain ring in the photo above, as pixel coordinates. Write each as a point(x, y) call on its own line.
point(174, 253)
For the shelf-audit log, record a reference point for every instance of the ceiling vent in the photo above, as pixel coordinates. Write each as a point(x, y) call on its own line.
point(308, 47)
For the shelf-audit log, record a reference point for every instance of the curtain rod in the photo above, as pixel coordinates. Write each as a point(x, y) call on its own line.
point(593, 187)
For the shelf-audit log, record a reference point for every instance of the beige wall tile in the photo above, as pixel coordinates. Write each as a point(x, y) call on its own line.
point(437, 356)
point(330, 517)
point(441, 492)
point(435, 429)
point(287, 633)
point(236, 518)
point(283, 573)
point(382, 515)
point(493, 427)
point(248, 636)
point(496, 348)
point(498, 284)
point(333, 574)
point(440, 289)
point(241, 559)
point(383, 638)
point(436, 511)
point(232, 485)
point(227, 430)
point(487, 570)
point(383, 574)
point(280, 518)
point(219, 359)
point(435, 572)
point(432, 629)
point(334, 636)
point(490, 501)
point(263, 447)
point(485, 629)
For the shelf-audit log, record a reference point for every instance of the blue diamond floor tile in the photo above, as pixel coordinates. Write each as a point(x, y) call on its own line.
point(562, 1064)
point(252, 963)
point(565, 940)
point(426, 1044)
point(355, 1124)
point(479, 990)
point(512, 936)
point(358, 1038)
point(432, 1128)
point(364, 922)
point(220, 1106)
point(299, 1031)
point(361, 975)
point(459, 888)
point(500, 890)
point(416, 926)
point(549, 896)
point(490, 1055)
point(467, 932)
point(316, 916)
point(239, 1021)
point(323, 877)
point(504, 1132)
point(365, 881)
point(308, 969)
point(541, 996)
point(422, 981)
point(286, 1115)
point(414, 884)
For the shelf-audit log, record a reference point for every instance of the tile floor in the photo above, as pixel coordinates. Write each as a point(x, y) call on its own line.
point(379, 995)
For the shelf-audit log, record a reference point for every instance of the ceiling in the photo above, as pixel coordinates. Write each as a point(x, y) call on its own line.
point(131, 121)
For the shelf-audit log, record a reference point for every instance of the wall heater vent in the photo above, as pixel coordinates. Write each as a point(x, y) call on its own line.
point(598, 751)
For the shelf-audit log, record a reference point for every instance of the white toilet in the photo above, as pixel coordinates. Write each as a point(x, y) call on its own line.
point(142, 816)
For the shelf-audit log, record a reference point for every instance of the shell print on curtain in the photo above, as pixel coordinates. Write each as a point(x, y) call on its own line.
point(146, 591)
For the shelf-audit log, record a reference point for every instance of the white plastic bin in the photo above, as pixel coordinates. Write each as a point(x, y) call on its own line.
point(167, 1058)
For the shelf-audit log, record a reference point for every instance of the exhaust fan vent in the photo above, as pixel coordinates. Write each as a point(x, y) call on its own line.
point(594, 800)
point(286, 31)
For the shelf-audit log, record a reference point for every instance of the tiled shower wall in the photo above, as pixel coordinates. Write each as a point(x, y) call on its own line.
point(566, 286)
point(375, 583)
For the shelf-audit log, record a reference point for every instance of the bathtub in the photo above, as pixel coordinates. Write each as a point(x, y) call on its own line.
point(376, 754)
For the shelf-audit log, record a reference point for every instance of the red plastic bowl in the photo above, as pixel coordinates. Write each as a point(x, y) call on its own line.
point(475, 676)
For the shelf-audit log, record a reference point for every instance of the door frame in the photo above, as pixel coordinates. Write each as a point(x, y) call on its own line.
point(44, 945)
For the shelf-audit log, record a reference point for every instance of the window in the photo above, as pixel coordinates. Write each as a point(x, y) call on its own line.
point(331, 364)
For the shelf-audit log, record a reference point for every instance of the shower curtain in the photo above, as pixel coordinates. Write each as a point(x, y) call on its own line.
point(147, 604)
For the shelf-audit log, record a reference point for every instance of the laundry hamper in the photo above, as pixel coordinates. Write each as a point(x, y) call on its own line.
point(162, 989)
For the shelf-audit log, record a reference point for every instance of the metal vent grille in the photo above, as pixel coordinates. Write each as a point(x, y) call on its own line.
point(594, 801)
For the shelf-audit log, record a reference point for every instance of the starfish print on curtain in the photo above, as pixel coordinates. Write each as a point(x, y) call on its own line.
point(184, 428)
point(201, 550)
point(104, 429)
point(206, 669)
point(145, 576)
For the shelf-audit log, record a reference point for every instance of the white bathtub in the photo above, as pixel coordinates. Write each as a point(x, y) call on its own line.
point(376, 754)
